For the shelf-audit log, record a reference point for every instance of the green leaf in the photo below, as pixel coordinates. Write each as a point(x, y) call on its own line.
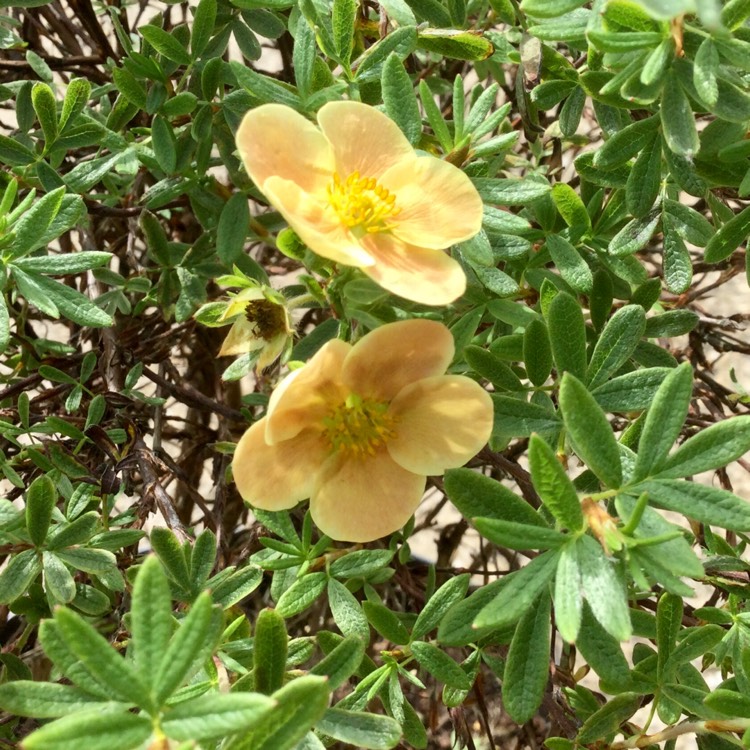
point(303, 56)
point(360, 563)
point(100, 659)
point(440, 665)
point(644, 181)
point(456, 628)
point(197, 635)
point(705, 504)
point(400, 42)
point(634, 236)
point(511, 535)
point(359, 729)
point(342, 662)
point(263, 87)
point(567, 333)
point(668, 624)
point(215, 715)
point(343, 20)
point(399, 99)
point(31, 227)
point(729, 702)
point(570, 114)
point(64, 263)
point(43, 700)
point(170, 553)
point(537, 352)
point(552, 483)
point(492, 368)
point(603, 589)
point(231, 232)
point(456, 43)
point(130, 87)
point(165, 144)
point(347, 612)
point(516, 418)
point(510, 191)
point(86, 174)
point(18, 575)
point(90, 560)
point(300, 705)
point(58, 582)
point(602, 651)
point(664, 421)
point(477, 495)
point(165, 44)
point(151, 618)
point(301, 594)
point(616, 344)
point(729, 237)
point(567, 593)
point(527, 668)
point(521, 589)
point(570, 207)
point(678, 266)
point(40, 502)
point(677, 119)
point(92, 729)
point(452, 591)
point(386, 623)
point(203, 27)
point(712, 448)
point(589, 431)
point(269, 652)
point(45, 106)
point(573, 268)
point(705, 68)
point(625, 144)
point(15, 154)
point(607, 720)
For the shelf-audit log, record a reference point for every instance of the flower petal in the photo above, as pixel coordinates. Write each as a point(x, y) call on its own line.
point(442, 422)
point(306, 395)
point(363, 139)
point(438, 205)
point(275, 140)
point(423, 275)
point(316, 223)
point(242, 338)
point(395, 355)
point(276, 477)
point(361, 500)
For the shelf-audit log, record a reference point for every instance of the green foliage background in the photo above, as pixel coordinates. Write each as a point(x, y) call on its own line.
point(608, 141)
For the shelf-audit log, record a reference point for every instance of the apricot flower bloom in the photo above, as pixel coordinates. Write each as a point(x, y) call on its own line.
point(356, 192)
point(358, 429)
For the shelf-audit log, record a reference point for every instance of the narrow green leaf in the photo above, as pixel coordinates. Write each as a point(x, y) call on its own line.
point(151, 618)
point(537, 352)
point(625, 144)
point(343, 19)
point(456, 43)
point(492, 368)
point(64, 263)
point(567, 593)
point(386, 623)
point(705, 504)
point(58, 581)
point(130, 87)
point(634, 236)
point(30, 228)
point(510, 191)
point(518, 536)
point(196, 633)
point(602, 651)
point(678, 266)
point(570, 206)
point(677, 119)
point(360, 563)
point(347, 612)
point(521, 589)
point(300, 705)
point(269, 652)
point(552, 483)
point(170, 552)
point(230, 591)
point(303, 57)
point(705, 68)
point(399, 99)
point(45, 106)
point(616, 344)
point(729, 237)
point(100, 659)
point(452, 591)
point(358, 729)
point(165, 144)
point(567, 333)
point(203, 27)
point(607, 720)
point(516, 418)
point(440, 665)
point(215, 715)
point(589, 431)
point(527, 668)
point(712, 448)
point(92, 729)
point(668, 625)
point(301, 594)
point(165, 44)
point(644, 181)
point(664, 421)
point(234, 222)
point(729, 702)
point(342, 662)
point(18, 575)
point(573, 268)
point(603, 589)
point(43, 700)
point(40, 502)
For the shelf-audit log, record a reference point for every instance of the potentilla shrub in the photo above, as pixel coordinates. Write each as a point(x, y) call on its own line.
point(372, 374)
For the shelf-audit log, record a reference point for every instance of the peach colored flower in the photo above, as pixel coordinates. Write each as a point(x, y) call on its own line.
point(359, 427)
point(356, 192)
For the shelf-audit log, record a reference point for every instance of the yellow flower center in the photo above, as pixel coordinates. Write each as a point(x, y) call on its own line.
point(361, 203)
point(268, 318)
point(359, 426)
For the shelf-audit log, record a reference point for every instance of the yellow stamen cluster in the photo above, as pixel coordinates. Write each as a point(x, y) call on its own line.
point(359, 426)
point(362, 203)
